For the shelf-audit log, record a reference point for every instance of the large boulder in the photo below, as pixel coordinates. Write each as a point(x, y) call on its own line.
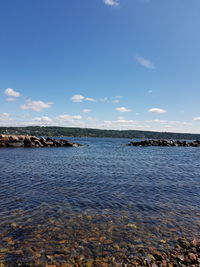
point(13, 138)
point(27, 142)
point(4, 138)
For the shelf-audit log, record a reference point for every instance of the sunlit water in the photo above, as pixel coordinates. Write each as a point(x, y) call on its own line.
point(93, 200)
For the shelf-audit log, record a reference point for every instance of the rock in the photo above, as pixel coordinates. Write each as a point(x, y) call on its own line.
point(192, 257)
point(27, 142)
point(183, 243)
point(4, 137)
point(56, 143)
point(149, 258)
point(15, 145)
point(194, 243)
point(33, 141)
point(180, 257)
point(89, 263)
point(49, 143)
point(42, 140)
point(13, 138)
point(165, 142)
point(37, 143)
point(158, 256)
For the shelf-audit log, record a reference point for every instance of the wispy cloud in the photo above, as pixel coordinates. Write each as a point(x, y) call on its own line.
point(44, 119)
point(123, 109)
point(86, 110)
point(157, 110)
point(144, 62)
point(117, 99)
point(196, 119)
point(80, 98)
point(111, 2)
point(69, 118)
point(36, 105)
point(4, 116)
point(90, 99)
point(119, 124)
point(5, 119)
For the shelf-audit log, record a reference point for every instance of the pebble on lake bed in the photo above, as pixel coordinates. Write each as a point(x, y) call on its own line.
point(91, 241)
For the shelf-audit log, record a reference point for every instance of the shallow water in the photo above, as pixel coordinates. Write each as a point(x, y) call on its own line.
point(93, 200)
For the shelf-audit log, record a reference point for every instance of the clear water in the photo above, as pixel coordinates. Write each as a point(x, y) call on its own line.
point(143, 196)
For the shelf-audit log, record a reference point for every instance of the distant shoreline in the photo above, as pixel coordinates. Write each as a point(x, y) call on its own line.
point(94, 133)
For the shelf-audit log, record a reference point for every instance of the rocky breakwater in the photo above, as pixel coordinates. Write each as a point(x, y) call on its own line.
point(33, 141)
point(165, 142)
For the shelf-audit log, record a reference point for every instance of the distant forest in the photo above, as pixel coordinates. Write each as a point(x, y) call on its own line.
point(86, 132)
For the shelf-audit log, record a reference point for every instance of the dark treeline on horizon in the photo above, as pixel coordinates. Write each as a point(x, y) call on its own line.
point(87, 132)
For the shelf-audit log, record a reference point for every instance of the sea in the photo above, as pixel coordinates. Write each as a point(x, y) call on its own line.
point(70, 203)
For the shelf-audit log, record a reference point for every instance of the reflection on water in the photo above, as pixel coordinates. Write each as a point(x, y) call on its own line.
point(105, 200)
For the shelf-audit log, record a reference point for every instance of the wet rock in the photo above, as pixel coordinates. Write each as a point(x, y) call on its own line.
point(89, 263)
point(158, 256)
point(180, 257)
point(194, 243)
point(192, 257)
point(183, 243)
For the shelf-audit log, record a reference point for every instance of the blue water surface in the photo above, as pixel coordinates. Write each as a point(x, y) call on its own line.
point(153, 185)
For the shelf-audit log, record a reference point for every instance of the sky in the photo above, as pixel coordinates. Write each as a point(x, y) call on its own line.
point(107, 64)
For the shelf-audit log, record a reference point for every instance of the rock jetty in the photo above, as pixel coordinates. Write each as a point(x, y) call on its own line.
point(165, 142)
point(33, 141)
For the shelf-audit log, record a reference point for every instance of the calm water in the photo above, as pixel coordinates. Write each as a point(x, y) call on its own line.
point(141, 196)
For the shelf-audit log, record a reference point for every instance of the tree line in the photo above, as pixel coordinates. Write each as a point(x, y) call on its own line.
point(87, 132)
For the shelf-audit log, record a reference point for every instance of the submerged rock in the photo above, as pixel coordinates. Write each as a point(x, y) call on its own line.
point(33, 141)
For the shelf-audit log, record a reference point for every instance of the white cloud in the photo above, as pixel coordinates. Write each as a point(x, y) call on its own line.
point(36, 105)
point(5, 119)
point(117, 99)
point(111, 2)
point(81, 98)
point(77, 98)
point(43, 119)
point(11, 92)
point(86, 110)
point(90, 99)
point(157, 110)
point(69, 118)
point(196, 119)
point(120, 124)
point(123, 109)
point(150, 92)
point(145, 62)
point(4, 116)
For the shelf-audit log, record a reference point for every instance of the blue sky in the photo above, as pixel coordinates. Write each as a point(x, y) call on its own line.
point(126, 64)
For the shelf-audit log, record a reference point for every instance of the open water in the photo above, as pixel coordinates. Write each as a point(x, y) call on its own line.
point(69, 204)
